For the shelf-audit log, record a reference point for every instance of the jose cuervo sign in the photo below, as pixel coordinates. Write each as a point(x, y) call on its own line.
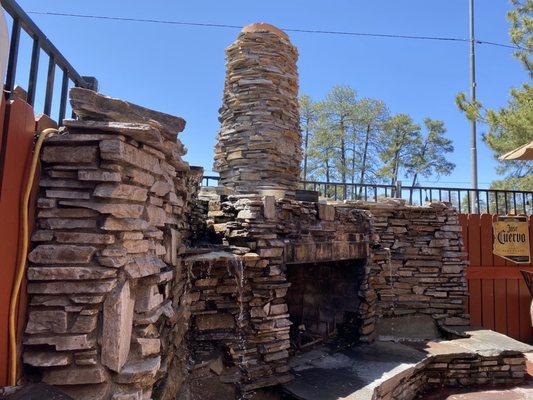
point(511, 238)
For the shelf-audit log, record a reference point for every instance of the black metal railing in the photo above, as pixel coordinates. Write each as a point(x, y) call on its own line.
point(465, 200)
point(22, 22)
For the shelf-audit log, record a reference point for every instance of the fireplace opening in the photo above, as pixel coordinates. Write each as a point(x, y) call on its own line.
point(323, 301)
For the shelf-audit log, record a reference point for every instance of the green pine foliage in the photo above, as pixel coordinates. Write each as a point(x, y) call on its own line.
point(352, 140)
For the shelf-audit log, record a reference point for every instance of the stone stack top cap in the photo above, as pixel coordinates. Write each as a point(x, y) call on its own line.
point(92, 105)
point(264, 27)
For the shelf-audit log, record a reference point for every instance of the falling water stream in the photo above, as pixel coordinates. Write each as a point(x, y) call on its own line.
point(392, 292)
point(238, 273)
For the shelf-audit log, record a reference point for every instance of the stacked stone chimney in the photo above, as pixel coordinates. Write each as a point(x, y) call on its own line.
point(259, 141)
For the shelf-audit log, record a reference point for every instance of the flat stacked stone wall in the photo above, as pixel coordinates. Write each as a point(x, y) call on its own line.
point(420, 265)
point(453, 371)
point(110, 226)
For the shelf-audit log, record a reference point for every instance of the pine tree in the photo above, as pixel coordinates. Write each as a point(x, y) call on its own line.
point(338, 109)
point(398, 140)
point(369, 121)
point(322, 148)
point(430, 151)
point(308, 117)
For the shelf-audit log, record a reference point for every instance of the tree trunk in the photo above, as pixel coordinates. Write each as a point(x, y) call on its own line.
point(326, 189)
point(343, 152)
point(422, 157)
point(363, 165)
point(305, 151)
point(412, 186)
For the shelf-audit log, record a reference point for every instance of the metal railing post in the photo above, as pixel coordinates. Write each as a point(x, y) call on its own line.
point(90, 83)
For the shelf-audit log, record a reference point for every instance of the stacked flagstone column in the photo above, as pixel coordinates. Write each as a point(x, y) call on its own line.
point(259, 142)
point(110, 221)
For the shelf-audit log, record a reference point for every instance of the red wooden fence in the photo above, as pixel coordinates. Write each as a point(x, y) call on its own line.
point(499, 298)
point(17, 132)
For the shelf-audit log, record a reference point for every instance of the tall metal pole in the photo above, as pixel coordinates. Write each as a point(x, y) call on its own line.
point(473, 134)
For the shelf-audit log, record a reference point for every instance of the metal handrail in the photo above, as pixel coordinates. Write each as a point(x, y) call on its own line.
point(485, 200)
point(21, 20)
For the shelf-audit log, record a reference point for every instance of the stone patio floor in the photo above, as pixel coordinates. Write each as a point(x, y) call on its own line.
point(333, 372)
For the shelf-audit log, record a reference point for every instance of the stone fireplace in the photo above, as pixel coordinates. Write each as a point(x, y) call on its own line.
point(141, 287)
point(286, 273)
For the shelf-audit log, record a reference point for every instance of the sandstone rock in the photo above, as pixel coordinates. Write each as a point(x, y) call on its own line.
point(152, 316)
point(82, 237)
point(117, 326)
point(99, 176)
point(64, 342)
point(452, 269)
point(67, 194)
point(136, 246)
point(67, 223)
point(115, 209)
point(161, 188)
point(156, 216)
point(47, 321)
point(246, 214)
point(102, 286)
point(84, 323)
point(69, 273)
point(326, 212)
point(64, 183)
point(89, 104)
point(42, 236)
point(269, 207)
point(149, 347)
point(88, 392)
point(46, 203)
point(75, 376)
point(125, 224)
point(67, 213)
point(120, 191)
point(116, 150)
point(46, 358)
point(96, 299)
point(145, 265)
point(139, 177)
point(61, 254)
point(147, 298)
point(210, 322)
point(69, 154)
point(129, 395)
point(137, 371)
point(113, 262)
point(143, 133)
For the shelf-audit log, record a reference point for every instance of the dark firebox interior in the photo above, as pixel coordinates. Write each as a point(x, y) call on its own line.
point(323, 301)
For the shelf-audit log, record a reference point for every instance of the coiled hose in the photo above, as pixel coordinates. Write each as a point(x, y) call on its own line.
point(21, 267)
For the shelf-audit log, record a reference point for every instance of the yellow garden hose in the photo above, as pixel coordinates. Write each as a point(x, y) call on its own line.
point(23, 251)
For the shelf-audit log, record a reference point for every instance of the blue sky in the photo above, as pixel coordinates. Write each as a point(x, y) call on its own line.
point(180, 69)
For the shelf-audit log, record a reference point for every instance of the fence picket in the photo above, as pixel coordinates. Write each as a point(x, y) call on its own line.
point(499, 298)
